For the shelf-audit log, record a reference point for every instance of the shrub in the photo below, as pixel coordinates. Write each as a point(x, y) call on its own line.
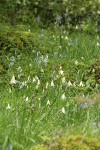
point(13, 41)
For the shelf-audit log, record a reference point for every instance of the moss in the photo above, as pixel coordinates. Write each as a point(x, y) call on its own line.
point(71, 143)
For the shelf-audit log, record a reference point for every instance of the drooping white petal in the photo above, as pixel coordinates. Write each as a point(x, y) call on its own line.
point(13, 81)
point(63, 110)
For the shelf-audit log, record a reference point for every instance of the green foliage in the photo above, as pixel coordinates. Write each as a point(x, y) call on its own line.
point(13, 41)
point(71, 143)
point(73, 14)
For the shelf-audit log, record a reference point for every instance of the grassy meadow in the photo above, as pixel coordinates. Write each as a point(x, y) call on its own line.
point(49, 90)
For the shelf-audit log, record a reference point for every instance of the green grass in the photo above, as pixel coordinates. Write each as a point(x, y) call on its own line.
point(49, 81)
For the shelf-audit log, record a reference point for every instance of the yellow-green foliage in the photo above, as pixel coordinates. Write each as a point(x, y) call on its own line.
point(40, 147)
point(72, 143)
point(16, 40)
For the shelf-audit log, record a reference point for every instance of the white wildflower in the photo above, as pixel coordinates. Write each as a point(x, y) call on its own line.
point(13, 81)
point(8, 107)
point(38, 82)
point(76, 27)
point(48, 102)
point(63, 96)
point(82, 58)
point(76, 62)
point(81, 84)
point(98, 44)
point(47, 85)
point(26, 99)
point(98, 12)
point(69, 83)
point(34, 80)
point(30, 65)
point(63, 80)
point(63, 110)
point(52, 83)
point(93, 70)
point(66, 38)
point(61, 72)
point(29, 30)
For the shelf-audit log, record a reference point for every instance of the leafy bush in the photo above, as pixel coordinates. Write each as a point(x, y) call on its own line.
point(13, 41)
